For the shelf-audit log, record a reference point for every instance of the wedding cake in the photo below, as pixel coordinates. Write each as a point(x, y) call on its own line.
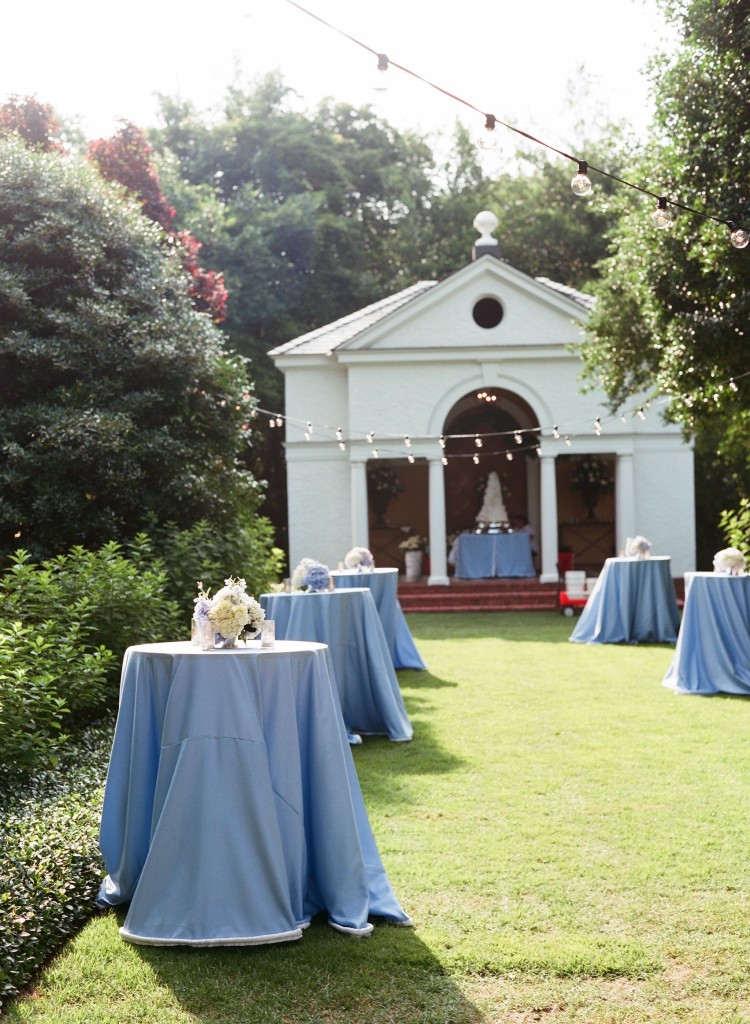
point(493, 509)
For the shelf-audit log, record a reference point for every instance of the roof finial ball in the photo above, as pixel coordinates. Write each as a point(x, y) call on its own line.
point(485, 223)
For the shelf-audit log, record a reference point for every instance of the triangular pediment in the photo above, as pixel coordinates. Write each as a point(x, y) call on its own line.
point(445, 314)
point(460, 312)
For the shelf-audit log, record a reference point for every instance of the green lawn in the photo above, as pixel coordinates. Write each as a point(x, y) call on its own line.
point(570, 838)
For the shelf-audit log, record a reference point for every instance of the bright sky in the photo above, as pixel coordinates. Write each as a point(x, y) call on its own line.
point(98, 61)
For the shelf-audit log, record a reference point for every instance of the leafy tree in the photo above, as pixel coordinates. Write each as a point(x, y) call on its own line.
point(673, 305)
point(309, 214)
point(118, 403)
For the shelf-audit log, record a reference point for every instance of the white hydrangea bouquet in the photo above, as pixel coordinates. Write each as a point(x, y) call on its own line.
point(229, 613)
point(730, 561)
point(360, 559)
point(414, 543)
point(637, 547)
point(311, 576)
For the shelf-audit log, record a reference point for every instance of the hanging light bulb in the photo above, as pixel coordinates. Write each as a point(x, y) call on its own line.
point(568, 441)
point(444, 461)
point(307, 435)
point(381, 82)
point(441, 442)
point(539, 450)
point(738, 237)
point(488, 139)
point(370, 437)
point(597, 426)
point(279, 421)
point(581, 183)
point(509, 456)
point(375, 453)
point(411, 458)
point(407, 441)
point(641, 414)
point(517, 436)
point(339, 434)
point(475, 460)
point(272, 422)
point(661, 216)
point(342, 446)
point(478, 441)
point(555, 432)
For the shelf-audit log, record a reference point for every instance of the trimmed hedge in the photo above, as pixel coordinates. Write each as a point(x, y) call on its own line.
point(50, 865)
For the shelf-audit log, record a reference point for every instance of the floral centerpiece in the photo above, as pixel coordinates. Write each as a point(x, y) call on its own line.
point(413, 547)
point(730, 561)
point(311, 576)
point(360, 559)
point(230, 612)
point(637, 547)
point(414, 543)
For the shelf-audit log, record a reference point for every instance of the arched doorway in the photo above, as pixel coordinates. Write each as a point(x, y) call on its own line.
point(485, 430)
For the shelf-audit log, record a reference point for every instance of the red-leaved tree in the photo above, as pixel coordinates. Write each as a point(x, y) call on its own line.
point(35, 122)
point(126, 158)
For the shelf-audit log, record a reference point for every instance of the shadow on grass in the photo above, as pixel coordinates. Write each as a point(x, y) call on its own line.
point(325, 976)
point(520, 627)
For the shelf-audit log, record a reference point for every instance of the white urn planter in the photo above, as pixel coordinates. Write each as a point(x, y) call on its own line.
point(413, 562)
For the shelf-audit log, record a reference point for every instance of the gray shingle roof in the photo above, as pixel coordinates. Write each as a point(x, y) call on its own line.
point(331, 336)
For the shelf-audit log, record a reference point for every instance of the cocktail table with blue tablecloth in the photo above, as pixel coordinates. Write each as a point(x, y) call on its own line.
point(633, 601)
point(384, 586)
point(232, 810)
point(485, 555)
point(713, 649)
point(348, 622)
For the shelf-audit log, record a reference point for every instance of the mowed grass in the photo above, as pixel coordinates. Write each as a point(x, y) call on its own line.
point(570, 838)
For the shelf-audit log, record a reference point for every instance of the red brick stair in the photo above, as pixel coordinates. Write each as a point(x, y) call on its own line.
point(493, 595)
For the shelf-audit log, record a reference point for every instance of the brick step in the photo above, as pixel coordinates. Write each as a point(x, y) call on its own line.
point(479, 596)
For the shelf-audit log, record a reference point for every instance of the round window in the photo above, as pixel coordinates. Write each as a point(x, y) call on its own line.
point(487, 313)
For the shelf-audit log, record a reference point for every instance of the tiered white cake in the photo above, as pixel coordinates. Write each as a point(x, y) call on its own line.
point(493, 509)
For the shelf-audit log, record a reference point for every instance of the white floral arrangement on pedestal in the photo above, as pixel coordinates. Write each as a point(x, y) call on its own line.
point(414, 543)
point(360, 559)
point(637, 547)
point(730, 561)
point(230, 612)
point(311, 576)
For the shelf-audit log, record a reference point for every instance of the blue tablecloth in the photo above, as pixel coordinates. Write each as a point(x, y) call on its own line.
point(713, 649)
point(348, 622)
point(482, 555)
point(232, 810)
point(633, 601)
point(384, 586)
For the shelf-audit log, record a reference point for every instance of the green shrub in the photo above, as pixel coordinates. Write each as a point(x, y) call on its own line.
point(50, 865)
point(119, 597)
point(735, 525)
point(203, 553)
point(41, 680)
point(64, 626)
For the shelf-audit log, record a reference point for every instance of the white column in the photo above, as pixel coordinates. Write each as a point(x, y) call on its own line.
point(549, 538)
point(438, 540)
point(360, 532)
point(625, 525)
point(532, 495)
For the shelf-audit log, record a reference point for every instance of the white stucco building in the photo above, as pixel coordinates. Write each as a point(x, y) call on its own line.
point(448, 380)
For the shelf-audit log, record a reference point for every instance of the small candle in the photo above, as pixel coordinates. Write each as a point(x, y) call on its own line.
point(268, 633)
